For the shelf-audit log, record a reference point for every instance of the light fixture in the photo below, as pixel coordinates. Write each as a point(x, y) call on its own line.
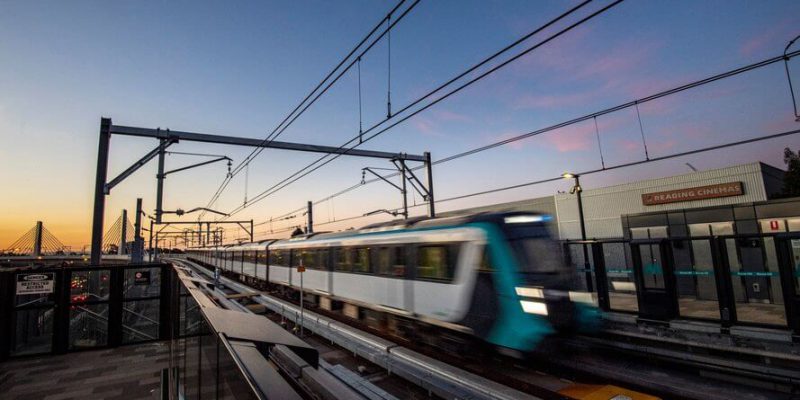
point(533, 307)
point(567, 175)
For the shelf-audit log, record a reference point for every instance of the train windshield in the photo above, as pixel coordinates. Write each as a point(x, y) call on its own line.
point(535, 249)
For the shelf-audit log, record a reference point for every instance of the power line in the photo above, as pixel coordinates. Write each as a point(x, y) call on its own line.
point(342, 150)
point(286, 122)
point(589, 172)
point(594, 115)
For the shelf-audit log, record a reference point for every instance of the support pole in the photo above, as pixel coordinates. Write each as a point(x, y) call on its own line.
point(208, 233)
point(586, 266)
point(310, 214)
point(138, 242)
point(429, 173)
point(251, 231)
point(37, 240)
point(404, 190)
point(160, 184)
point(150, 246)
point(123, 233)
point(99, 190)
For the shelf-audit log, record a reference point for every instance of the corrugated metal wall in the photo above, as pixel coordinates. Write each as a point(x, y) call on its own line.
point(604, 206)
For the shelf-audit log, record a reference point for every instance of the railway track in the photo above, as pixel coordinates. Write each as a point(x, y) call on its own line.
point(591, 361)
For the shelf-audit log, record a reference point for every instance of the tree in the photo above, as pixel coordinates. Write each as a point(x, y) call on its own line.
point(791, 180)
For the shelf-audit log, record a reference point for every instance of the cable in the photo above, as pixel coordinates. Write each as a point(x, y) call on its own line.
point(586, 117)
point(277, 131)
point(341, 150)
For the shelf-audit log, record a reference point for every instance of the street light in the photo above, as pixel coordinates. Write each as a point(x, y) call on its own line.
point(577, 190)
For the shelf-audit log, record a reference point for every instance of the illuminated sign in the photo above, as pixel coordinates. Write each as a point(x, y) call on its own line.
point(694, 193)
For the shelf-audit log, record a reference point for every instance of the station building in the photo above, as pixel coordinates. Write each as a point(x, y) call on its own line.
point(739, 202)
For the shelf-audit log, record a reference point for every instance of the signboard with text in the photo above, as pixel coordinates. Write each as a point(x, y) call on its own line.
point(693, 193)
point(35, 283)
point(141, 278)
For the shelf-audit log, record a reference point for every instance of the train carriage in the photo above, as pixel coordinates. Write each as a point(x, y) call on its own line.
point(499, 277)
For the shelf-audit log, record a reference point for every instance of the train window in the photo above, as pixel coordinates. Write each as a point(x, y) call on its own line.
point(279, 258)
point(361, 260)
point(307, 257)
point(391, 261)
point(322, 259)
point(437, 262)
point(486, 263)
point(249, 256)
point(538, 255)
point(261, 257)
point(344, 259)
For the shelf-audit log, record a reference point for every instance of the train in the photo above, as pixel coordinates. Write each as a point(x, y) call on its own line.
point(496, 277)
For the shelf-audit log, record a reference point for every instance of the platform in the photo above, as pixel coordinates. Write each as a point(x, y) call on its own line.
point(127, 372)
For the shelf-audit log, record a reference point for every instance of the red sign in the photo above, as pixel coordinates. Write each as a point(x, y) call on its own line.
point(301, 269)
point(694, 193)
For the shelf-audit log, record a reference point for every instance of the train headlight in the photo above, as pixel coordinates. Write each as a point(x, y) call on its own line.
point(530, 292)
point(533, 307)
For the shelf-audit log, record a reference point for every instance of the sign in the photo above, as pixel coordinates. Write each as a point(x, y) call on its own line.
point(301, 269)
point(694, 193)
point(35, 283)
point(141, 278)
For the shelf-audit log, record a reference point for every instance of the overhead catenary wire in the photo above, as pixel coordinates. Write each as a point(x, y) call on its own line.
point(344, 150)
point(587, 172)
point(593, 115)
point(308, 101)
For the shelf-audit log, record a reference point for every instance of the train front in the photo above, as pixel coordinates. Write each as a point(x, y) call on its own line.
point(542, 294)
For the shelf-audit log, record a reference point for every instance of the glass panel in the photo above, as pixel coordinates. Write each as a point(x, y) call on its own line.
point(344, 259)
point(142, 282)
point(755, 291)
point(619, 272)
point(695, 279)
point(140, 320)
point(361, 260)
point(33, 331)
point(90, 285)
point(208, 366)
point(584, 273)
point(652, 269)
point(232, 384)
point(436, 262)
point(191, 376)
point(88, 325)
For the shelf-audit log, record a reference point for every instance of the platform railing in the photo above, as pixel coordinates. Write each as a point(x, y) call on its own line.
point(58, 310)
point(735, 280)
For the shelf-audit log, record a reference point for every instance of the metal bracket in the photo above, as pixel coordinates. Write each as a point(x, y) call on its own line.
point(138, 164)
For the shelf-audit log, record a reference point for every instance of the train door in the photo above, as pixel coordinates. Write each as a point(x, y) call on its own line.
point(654, 274)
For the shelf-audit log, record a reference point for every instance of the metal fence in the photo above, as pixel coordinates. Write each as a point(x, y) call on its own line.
point(57, 310)
point(735, 280)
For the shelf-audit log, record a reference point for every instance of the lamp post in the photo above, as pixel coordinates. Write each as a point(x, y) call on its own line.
point(577, 190)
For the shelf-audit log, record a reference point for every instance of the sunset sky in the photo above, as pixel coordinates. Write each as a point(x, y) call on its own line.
point(237, 68)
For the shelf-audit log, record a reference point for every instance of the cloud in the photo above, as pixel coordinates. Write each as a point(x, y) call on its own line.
point(451, 116)
point(774, 38)
point(573, 138)
point(530, 101)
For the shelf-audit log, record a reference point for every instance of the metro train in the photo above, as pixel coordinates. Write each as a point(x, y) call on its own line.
point(498, 277)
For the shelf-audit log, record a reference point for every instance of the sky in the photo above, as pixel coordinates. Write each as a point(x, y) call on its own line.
point(238, 68)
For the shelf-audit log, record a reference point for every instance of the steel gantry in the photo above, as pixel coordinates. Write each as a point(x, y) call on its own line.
point(168, 137)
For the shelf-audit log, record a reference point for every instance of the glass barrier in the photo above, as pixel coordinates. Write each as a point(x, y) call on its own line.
point(695, 280)
point(756, 283)
point(619, 276)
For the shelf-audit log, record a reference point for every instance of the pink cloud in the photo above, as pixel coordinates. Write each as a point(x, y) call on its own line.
point(774, 38)
point(573, 138)
point(529, 101)
point(451, 116)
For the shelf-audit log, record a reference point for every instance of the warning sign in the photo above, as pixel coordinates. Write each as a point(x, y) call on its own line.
point(35, 283)
point(141, 278)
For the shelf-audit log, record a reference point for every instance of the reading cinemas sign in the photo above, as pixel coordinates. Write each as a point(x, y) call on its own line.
point(694, 193)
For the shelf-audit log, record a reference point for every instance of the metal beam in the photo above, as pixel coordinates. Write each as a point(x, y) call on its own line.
point(195, 165)
point(133, 168)
point(99, 191)
point(239, 141)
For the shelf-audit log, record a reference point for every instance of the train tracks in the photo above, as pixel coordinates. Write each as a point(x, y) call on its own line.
point(549, 375)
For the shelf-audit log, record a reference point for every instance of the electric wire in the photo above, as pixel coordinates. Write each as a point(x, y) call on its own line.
point(343, 150)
